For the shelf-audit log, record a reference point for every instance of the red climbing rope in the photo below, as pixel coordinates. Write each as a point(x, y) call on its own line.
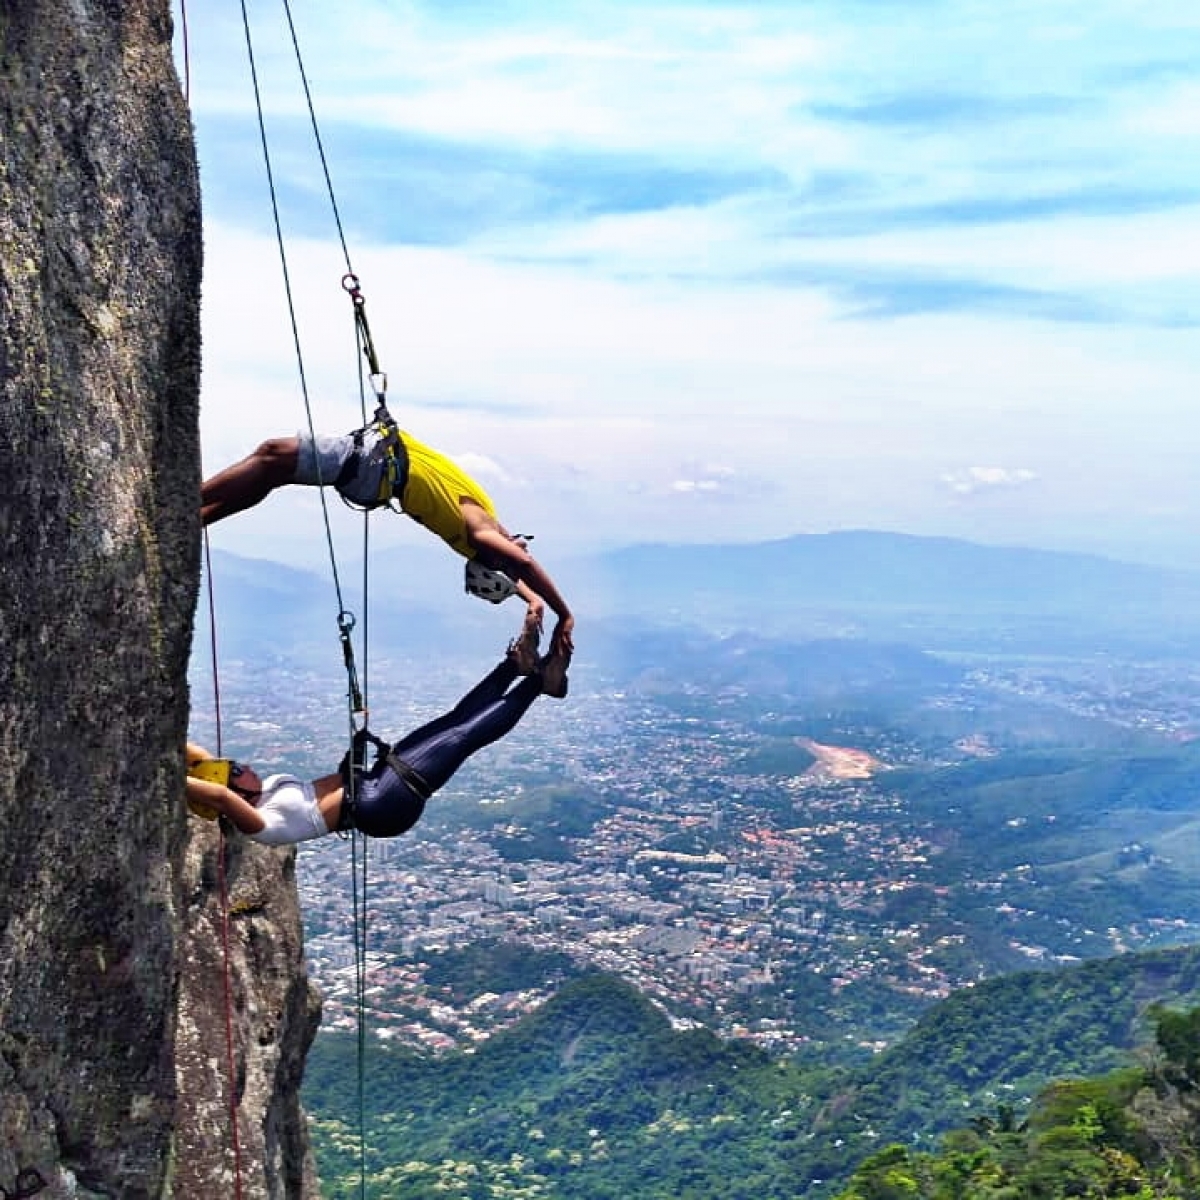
point(229, 1046)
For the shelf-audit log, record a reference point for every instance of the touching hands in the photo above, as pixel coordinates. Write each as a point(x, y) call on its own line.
point(561, 641)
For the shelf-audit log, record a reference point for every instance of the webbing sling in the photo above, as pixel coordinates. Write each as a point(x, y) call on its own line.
point(354, 767)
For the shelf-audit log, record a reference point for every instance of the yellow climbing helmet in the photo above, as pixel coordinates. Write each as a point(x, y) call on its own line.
point(215, 770)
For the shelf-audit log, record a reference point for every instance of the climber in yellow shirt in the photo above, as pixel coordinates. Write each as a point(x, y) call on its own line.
point(369, 469)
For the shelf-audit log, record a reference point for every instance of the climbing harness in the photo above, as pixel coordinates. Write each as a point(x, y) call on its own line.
point(379, 441)
point(355, 768)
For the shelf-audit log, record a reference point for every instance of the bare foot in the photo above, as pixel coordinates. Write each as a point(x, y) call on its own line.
point(523, 650)
point(554, 674)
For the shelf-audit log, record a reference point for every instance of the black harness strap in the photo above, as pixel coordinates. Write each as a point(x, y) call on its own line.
point(394, 452)
point(354, 769)
point(410, 775)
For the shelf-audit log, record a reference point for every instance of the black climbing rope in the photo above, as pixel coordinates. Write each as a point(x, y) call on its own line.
point(356, 696)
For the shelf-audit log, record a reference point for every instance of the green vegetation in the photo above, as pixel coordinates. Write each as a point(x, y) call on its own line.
point(1055, 808)
point(1014, 831)
point(836, 1019)
point(777, 756)
point(1090, 840)
point(1132, 1133)
point(596, 1097)
point(492, 965)
point(542, 819)
point(593, 1096)
point(1006, 1039)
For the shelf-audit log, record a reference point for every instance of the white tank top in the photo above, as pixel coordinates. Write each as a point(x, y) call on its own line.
point(289, 807)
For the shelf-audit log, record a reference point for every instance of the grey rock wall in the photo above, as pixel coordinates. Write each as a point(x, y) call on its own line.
point(109, 1045)
point(242, 982)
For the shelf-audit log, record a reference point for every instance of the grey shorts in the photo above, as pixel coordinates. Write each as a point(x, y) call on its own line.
point(333, 460)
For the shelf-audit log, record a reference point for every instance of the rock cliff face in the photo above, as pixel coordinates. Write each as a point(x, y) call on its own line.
point(263, 1002)
point(114, 1075)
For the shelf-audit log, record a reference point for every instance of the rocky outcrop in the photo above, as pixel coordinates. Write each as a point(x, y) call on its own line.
point(112, 1012)
point(243, 991)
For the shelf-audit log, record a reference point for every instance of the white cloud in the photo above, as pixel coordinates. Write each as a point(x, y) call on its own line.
point(625, 78)
point(706, 479)
point(483, 468)
point(970, 481)
point(1173, 114)
point(575, 364)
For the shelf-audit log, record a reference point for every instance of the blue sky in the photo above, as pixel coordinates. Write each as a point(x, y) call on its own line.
point(724, 272)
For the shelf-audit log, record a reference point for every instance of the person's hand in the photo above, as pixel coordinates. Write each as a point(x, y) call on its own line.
point(535, 613)
point(561, 641)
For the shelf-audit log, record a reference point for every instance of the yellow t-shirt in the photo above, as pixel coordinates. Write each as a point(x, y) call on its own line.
point(434, 492)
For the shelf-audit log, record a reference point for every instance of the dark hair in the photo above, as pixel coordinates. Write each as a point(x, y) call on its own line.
point(236, 771)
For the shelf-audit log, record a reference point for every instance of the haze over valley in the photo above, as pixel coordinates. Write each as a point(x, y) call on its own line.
point(800, 806)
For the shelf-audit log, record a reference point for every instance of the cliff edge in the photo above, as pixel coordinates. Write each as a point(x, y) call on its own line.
point(115, 1003)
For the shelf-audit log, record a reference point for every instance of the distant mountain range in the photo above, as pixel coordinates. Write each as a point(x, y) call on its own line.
point(924, 592)
point(862, 567)
point(930, 591)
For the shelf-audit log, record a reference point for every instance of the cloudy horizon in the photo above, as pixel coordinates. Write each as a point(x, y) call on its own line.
point(718, 272)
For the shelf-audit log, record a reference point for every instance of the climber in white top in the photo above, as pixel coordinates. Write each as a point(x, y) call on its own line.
point(383, 799)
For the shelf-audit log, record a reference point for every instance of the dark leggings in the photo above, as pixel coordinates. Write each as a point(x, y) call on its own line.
point(485, 714)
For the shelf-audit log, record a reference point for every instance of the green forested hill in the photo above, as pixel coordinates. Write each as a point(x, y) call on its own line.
point(595, 1096)
point(1058, 806)
point(1134, 1133)
point(1003, 1041)
point(1089, 840)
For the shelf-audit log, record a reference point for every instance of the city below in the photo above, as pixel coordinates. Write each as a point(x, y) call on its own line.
point(739, 874)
